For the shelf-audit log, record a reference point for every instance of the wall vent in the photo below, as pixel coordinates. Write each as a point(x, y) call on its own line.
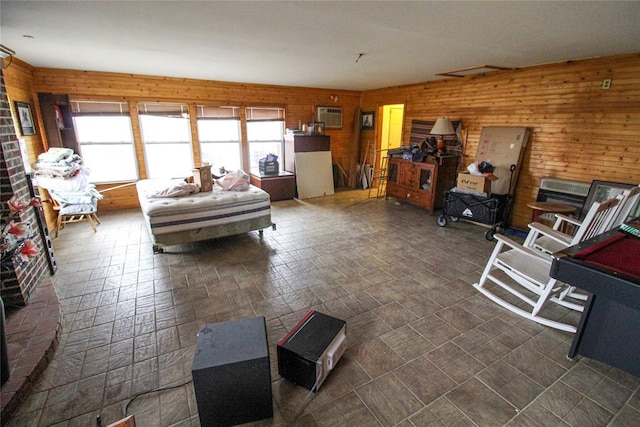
point(565, 186)
point(331, 116)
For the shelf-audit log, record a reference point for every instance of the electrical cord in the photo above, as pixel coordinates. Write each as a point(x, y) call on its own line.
point(126, 409)
point(305, 402)
point(4, 67)
point(307, 399)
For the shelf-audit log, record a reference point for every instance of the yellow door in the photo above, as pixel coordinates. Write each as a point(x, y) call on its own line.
point(396, 116)
point(390, 137)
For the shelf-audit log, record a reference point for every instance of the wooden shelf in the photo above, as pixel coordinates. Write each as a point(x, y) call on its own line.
point(56, 136)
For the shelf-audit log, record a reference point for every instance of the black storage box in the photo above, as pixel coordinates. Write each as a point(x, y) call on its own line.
point(231, 373)
point(268, 168)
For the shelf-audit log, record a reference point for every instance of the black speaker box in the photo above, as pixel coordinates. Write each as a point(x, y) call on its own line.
point(231, 374)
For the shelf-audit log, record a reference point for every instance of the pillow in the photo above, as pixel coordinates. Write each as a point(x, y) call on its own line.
point(234, 181)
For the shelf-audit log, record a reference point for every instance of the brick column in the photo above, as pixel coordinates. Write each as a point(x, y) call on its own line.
point(17, 283)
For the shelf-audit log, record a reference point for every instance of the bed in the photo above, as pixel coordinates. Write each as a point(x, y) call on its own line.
point(201, 216)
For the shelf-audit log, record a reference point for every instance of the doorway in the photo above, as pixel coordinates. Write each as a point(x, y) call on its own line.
point(391, 132)
point(391, 126)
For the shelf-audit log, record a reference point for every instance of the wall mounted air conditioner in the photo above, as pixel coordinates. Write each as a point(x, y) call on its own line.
point(331, 116)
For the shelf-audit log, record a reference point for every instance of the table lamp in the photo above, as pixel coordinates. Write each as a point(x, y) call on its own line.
point(441, 128)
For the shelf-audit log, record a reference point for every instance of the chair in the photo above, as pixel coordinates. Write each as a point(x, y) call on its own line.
point(76, 207)
point(527, 279)
point(628, 205)
point(550, 239)
point(546, 240)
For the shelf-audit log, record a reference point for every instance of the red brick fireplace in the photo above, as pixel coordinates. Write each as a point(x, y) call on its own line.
point(17, 283)
point(33, 324)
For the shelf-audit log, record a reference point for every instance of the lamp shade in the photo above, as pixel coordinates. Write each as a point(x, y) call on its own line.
point(443, 126)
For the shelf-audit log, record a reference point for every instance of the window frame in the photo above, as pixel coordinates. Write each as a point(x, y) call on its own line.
point(253, 116)
point(81, 108)
point(207, 113)
point(171, 110)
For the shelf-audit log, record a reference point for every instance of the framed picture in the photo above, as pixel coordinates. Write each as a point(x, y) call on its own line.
point(601, 191)
point(27, 126)
point(318, 128)
point(368, 120)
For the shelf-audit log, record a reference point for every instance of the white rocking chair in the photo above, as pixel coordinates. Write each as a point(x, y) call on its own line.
point(627, 206)
point(548, 240)
point(528, 280)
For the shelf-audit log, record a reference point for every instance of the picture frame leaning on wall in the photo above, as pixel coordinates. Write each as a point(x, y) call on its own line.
point(603, 190)
point(27, 125)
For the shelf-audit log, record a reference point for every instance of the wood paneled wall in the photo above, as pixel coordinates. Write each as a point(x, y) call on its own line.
point(20, 87)
point(299, 103)
point(580, 131)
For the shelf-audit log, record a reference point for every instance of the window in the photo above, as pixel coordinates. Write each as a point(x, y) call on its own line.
point(106, 140)
point(166, 135)
point(265, 133)
point(219, 134)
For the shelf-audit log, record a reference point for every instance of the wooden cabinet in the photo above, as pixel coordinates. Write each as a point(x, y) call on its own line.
point(422, 184)
point(58, 121)
point(280, 187)
point(303, 144)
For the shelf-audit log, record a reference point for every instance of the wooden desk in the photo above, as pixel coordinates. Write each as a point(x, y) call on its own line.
point(280, 187)
point(607, 266)
point(540, 208)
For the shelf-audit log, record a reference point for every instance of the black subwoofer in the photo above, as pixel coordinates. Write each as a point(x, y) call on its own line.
point(231, 373)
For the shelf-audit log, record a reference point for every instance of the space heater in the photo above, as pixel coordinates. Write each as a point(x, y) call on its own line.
point(312, 349)
point(564, 191)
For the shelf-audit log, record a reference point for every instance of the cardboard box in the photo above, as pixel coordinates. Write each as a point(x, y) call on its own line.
point(202, 177)
point(475, 183)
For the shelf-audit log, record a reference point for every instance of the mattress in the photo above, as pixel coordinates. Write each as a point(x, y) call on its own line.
point(216, 208)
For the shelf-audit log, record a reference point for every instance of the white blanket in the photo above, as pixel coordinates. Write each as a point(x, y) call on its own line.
point(172, 188)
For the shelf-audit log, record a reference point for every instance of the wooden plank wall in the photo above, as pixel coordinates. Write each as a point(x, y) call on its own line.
point(580, 131)
point(299, 104)
point(19, 83)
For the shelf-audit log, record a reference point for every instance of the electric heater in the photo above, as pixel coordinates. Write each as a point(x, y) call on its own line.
point(311, 349)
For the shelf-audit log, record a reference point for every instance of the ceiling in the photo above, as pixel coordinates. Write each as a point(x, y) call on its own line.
point(355, 45)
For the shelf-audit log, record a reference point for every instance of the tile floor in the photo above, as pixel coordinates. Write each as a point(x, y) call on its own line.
point(424, 347)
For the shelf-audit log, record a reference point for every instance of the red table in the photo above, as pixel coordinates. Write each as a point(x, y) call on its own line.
point(607, 266)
